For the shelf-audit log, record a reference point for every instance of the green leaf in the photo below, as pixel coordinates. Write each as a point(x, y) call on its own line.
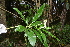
point(67, 6)
point(39, 13)
point(38, 35)
point(31, 37)
point(45, 44)
point(20, 28)
point(41, 26)
point(49, 33)
point(44, 38)
point(48, 28)
point(27, 20)
point(36, 23)
point(20, 13)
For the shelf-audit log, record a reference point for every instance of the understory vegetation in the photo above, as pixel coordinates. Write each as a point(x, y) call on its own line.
point(41, 23)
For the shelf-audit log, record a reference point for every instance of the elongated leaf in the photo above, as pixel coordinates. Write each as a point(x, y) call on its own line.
point(45, 44)
point(49, 33)
point(20, 28)
point(28, 20)
point(38, 35)
point(31, 37)
point(19, 13)
point(39, 13)
point(43, 36)
point(44, 39)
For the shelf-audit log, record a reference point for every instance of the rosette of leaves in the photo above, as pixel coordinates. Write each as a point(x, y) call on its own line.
point(35, 29)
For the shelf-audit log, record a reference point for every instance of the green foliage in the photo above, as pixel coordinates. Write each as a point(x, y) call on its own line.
point(20, 28)
point(36, 23)
point(31, 37)
point(63, 35)
point(35, 29)
point(19, 13)
point(39, 13)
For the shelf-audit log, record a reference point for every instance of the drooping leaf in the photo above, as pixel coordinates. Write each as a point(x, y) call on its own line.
point(31, 37)
point(20, 28)
point(39, 13)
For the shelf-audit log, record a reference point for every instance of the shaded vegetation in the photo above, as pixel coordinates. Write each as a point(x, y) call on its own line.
point(55, 14)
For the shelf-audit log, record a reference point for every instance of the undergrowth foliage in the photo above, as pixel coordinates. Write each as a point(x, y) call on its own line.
point(35, 29)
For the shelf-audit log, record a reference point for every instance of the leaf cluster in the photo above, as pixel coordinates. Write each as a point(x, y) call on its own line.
point(35, 29)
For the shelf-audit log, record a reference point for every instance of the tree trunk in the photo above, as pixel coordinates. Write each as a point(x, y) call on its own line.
point(2, 13)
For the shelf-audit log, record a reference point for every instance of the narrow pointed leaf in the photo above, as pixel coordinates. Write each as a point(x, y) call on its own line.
point(49, 33)
point(39, 13)
point(43, 36)
point(20, 13)
point(44, 39)
point(38, 35)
